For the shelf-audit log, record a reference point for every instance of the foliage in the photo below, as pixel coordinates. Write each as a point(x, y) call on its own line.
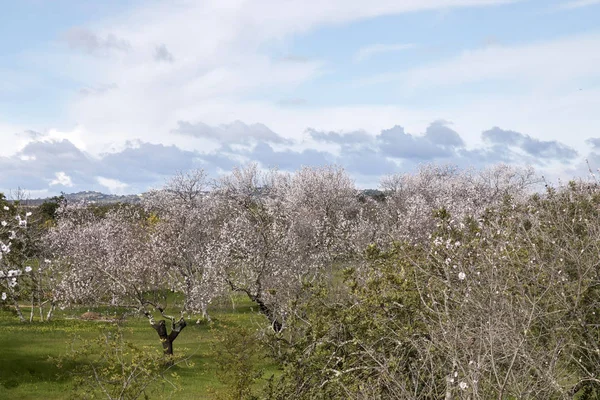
point(368, 343)
point(111, 367)
point(237, 353)
point(500, 305)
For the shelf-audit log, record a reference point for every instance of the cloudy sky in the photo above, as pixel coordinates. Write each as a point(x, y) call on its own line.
point(118, 95)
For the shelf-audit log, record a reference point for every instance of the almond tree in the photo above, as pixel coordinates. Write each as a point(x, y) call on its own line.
point(12, 239)
point(185, 226)
point(22, 273)
point(111, 260)
point(411, 199)
point(279, 231)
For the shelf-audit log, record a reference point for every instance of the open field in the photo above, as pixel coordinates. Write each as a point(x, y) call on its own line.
point(26, 372)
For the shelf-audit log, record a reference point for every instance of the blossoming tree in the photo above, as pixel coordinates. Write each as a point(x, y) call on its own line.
point(22, 273)
point(279, 232)
point(111, 260)
point(185, 224)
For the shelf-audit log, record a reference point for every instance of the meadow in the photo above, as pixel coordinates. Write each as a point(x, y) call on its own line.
point(28, 371)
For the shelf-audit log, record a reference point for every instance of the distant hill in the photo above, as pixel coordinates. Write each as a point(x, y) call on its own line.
point(91, 197)
point(103, 198)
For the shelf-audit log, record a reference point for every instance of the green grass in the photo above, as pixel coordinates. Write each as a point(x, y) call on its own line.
point(27, 373)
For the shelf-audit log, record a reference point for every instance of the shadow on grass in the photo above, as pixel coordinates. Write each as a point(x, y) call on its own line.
point(26, 371)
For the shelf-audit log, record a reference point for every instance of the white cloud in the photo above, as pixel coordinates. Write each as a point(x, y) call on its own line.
point(78, 136)
point(367, 52)
point(549, 63)
point(220, 66)
point(113, 185)
point(62, 179)
point(219, 53)
point(577, 4)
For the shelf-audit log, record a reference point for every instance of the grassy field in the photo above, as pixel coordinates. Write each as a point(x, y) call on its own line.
point(26, 372)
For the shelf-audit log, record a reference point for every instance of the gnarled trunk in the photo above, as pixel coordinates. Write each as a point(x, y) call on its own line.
point(269, 313)
point(167, 339)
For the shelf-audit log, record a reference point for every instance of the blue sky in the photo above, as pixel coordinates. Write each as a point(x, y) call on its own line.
point(118, 95)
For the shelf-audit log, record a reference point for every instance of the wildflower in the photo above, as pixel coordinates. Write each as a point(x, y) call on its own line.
point(463, 385)
point(5, 208)
point(28, 269)
point(462, 276)
point(3, 296)
point(4, 223)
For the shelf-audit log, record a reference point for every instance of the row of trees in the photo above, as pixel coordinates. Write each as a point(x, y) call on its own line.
point(266, 234)
point(452, 284)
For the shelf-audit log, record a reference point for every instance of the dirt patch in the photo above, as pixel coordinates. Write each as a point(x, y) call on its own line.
point(91, 316)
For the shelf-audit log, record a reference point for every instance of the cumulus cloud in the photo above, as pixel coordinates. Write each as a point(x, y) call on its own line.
point(438, 132)
point(31, 134)
point(238, 55)
point(535, 147)
point(62, 179)
point(236, 132)
point(114, 186)
point(594, 142)
point(162, 54)
point(80, 38)
point(141, 165)
point(340, 138)
point(439, 141)
point(287, 159)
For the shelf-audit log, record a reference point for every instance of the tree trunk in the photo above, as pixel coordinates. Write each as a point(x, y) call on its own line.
point(31, 314)
point(205, 312)
point(167, 339)
point(268, 312)
point(16, 305)
point(51, 310)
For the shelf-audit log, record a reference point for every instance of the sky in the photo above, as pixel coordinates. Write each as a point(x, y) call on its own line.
point(117, 96)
